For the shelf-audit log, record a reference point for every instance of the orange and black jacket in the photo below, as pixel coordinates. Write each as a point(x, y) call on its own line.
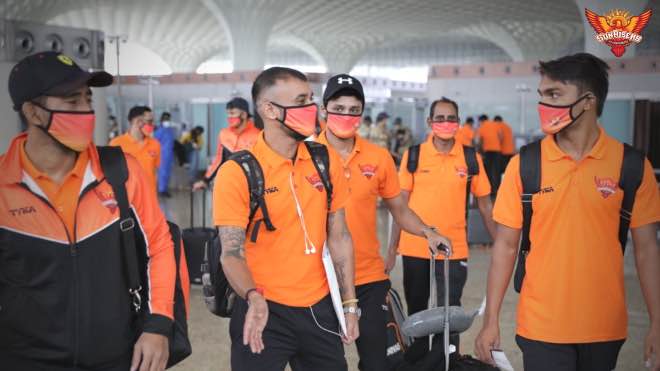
point(63, 298)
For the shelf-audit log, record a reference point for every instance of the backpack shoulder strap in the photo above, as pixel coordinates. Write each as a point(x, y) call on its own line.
point(472, 169)
point(226, 155)
point(256, 184)
point(113, 164)
point(530, 176)
point(413, 158)
point(321, 160)
point(632, 171)
point(471, 160)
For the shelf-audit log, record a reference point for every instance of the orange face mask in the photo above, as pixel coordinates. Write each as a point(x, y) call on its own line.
point(555, 118)
point(299, 119)
point(147, 129)
point(233, 121)
point(343, 125)
point(444, 129)
point(72, 129)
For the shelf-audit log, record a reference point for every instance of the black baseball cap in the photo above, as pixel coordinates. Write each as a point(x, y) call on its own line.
point(239, 103)
point(50, 74)
point(342, 82)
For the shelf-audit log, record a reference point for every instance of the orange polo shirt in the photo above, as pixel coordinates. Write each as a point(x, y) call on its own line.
point(235, 141)
point(490, 134)
point(573, 290)
point(277, 260)
point(465, 135)
point(371, 173)
point(147, 153)
point(508, 144)
point(437, 195)
point(63, 197)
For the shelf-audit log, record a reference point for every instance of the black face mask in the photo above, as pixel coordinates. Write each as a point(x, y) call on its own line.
point(293, 134)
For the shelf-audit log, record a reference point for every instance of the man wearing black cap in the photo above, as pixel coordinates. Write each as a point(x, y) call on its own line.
point(240, 134)
point(371, 173)
point(64, 301)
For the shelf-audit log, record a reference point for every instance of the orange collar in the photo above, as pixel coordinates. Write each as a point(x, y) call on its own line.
point(273, 159)
point(357, 147)
point(13, 166)
point(434, 152)
point(78, 169)
point(555, 153)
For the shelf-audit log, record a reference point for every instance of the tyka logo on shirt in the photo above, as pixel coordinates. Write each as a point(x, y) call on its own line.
point(368, 170)
point(606, 186)
point(315, 181)
point(22, 211)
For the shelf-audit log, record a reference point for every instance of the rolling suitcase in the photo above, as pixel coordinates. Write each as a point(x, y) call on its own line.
point(195, 239)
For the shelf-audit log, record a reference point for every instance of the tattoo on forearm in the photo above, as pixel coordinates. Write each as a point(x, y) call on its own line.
point(337, 227)
point(233, 241)
point(340, 271)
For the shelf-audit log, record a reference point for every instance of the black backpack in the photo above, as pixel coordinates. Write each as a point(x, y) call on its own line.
point(632, 170)
point(397, 343)
point(218, 294)
point(115, 170)
point(470, 155)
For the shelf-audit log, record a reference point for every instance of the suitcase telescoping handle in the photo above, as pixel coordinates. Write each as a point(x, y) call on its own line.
point(446, 330)
point(192, 208)
point(433, 298)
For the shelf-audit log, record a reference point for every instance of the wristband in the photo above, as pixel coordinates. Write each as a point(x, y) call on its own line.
point(349, 301)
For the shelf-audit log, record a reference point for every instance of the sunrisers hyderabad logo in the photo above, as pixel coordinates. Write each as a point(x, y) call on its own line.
point(606, 186)
point(315, 181)
point(461, 171)
point(368, 170)
point(107, 199)
point(617, 29)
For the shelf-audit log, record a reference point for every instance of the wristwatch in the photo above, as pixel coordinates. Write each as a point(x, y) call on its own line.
point(353, 309)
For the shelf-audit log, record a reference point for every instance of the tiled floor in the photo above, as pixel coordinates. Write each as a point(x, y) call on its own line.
point(209, 334)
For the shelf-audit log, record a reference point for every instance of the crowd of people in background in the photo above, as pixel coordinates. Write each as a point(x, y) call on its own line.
point(494, 139)
point(73, 216)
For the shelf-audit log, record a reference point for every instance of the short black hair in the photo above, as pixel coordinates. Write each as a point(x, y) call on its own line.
point(367, 119)
point(442, 100)
point(483, 117)
point(137, 111)
point(165, 116)
point(269, 77)
point(497, 118)
point(584, 70)
point(469, 120)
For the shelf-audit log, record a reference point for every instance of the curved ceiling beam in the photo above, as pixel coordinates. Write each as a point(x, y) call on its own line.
point(300, 44)
point(497, 35)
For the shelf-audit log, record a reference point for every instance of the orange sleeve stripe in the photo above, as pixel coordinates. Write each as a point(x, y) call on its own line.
point(161, 265)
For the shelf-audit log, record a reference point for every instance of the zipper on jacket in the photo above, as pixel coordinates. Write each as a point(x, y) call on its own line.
point(74, 253)
point(76, 273)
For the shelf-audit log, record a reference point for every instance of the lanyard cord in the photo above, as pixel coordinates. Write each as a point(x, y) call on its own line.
point(301, 217)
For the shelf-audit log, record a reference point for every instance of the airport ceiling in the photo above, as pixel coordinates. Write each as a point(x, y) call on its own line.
point(338, 34)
